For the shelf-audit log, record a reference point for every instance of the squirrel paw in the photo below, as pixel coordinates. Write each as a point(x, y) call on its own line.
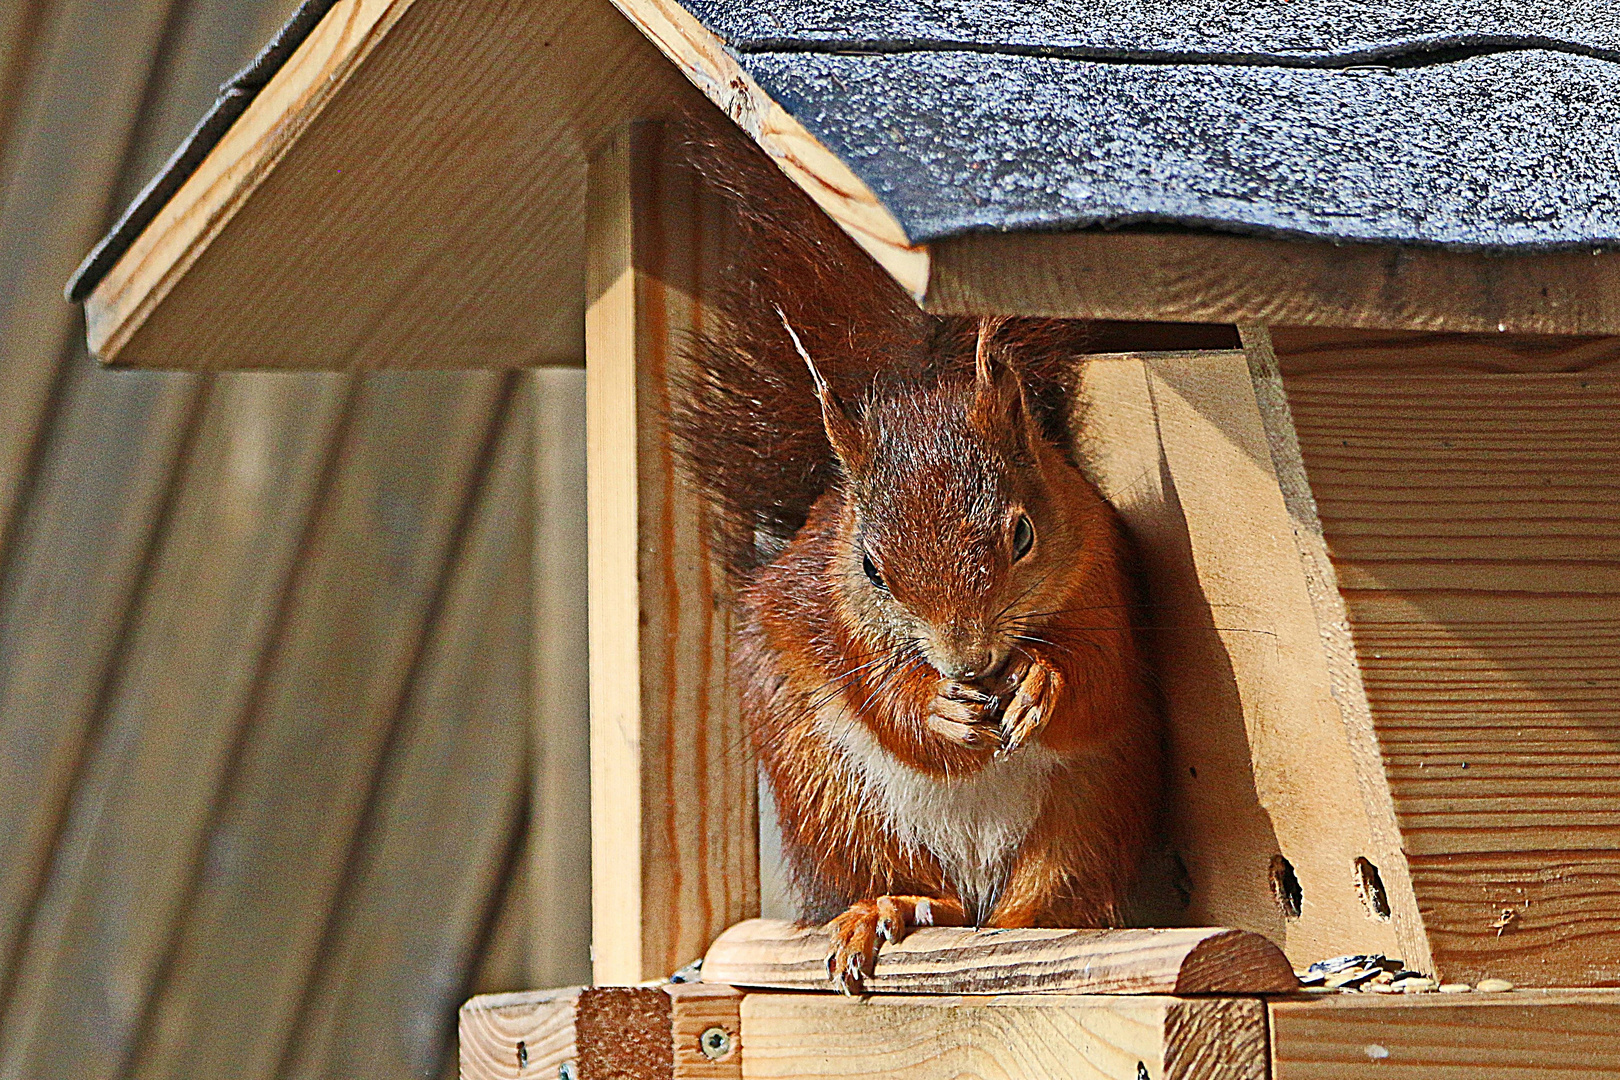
point(1030, 708)
point(960, 712)
point(857, 933)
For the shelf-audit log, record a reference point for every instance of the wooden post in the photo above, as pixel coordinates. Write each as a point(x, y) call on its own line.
point(674, 825)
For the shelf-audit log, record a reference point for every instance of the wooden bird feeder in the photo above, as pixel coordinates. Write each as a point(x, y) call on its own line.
point(1381, 522)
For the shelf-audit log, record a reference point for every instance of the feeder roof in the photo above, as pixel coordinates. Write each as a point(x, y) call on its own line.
point(1442, 126)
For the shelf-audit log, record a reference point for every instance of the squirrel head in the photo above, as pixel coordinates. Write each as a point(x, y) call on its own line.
point(956, 510)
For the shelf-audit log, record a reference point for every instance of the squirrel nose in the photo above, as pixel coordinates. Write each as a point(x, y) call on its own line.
point(968, 665)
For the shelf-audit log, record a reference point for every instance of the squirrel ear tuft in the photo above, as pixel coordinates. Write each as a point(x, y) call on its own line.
point(998, 392)
point(843, 429)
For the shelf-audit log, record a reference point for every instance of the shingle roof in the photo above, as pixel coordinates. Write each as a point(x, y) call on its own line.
point(1485, 125)
point(1489, 125)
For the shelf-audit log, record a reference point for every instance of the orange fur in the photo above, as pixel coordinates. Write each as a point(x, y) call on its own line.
point(943, 711)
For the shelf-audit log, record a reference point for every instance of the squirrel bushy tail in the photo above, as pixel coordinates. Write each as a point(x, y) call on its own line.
point(746, 422)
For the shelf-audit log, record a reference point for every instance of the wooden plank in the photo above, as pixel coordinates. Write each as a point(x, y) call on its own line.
point(443, 835)
point(1310, 350)
point(940, 960)
point(1210, 277)
point(423, 262)
point(75, 564)
point(172, 720)
point(1074, 1037)
point(1261, 766)
point(560, 806)
point(674, 833)
point(102, 476)
point(1512, 1036)
point(1471, 520)
point(59, 171)
point(284, 830)
point(705, 1030)
point(519, 1035)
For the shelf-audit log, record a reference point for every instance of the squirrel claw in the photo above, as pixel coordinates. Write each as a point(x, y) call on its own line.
point(857, 933)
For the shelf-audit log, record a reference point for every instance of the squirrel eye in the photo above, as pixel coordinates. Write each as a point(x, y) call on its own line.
point(871, 569)
point(1023, 537)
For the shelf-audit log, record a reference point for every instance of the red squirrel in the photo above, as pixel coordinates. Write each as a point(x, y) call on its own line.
point(935, 649)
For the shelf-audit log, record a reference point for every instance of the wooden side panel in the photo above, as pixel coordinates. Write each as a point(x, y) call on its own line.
point(442, 837)
point(1518, 1036)
point(674, 829)
point(1474, 523)
point(520, 1035)
point(1262, 764)
point(289, 818)
point(1003, 1038)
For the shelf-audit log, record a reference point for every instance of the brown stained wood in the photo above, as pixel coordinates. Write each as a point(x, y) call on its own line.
point(441, 839)
point(1260, 762)
point(196, 641)
point(697, 1012)
point(68, 132)
point(1471, 519)
point(518, 1036)
point(560, 807)
point(674, 829)
point(1310, 350)
point(623, 1033)
point(335, 680)
point(1073, 1037)
point(1524, 1035)
point(453, 238)
point(769, 953)
point(1208, 277)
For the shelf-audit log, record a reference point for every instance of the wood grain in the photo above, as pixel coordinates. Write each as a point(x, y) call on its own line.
point(440, 840)
point(1208, 277)
point(1260, 762)
point(674, 829)
point(1558, 1035)
point(695, 1010)
point(284, 830)
point(1472, 522)
point(422, 260)
point(493, 1027)
point(769, 953)
point(1310, 350)
point(1073, 1037)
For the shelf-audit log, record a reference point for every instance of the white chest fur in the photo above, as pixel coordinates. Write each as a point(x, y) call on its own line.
point(973, 825)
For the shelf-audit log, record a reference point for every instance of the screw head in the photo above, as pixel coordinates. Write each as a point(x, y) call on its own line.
point(715, 1043)
point(567, 1071)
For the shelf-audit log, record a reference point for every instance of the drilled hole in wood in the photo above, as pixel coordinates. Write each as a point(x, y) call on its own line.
point(523, 1056)
point(1370, 887)
point(1285, 887)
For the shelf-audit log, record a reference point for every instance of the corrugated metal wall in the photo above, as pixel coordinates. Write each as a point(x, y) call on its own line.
point(265, 645)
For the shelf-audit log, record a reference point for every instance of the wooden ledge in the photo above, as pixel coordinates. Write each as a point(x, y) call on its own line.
point(780, 955)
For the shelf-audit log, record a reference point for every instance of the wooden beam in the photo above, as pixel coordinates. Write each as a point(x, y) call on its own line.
point(1033, 1037)
point(674, 829)
point(1210, 277)
point(433, 159)
point(769, 953)
point(1556, 1035)
point(673, 1032)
